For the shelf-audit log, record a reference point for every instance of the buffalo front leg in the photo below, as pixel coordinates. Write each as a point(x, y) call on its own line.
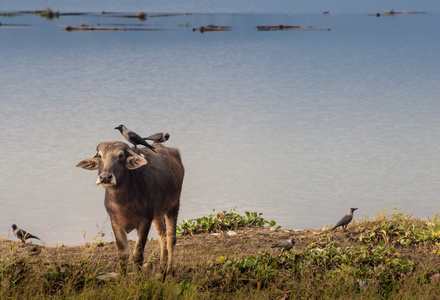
point(122, 244)
point(142, 236)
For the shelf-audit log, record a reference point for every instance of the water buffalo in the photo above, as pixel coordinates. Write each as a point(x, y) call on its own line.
point(141, 187)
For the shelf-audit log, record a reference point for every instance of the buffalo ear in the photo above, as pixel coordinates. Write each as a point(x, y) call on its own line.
point(134, 162)
point(89, 164)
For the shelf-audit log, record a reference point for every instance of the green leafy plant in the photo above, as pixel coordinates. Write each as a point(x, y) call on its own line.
point(222, 221)
point(366, 264)
point(400, 229)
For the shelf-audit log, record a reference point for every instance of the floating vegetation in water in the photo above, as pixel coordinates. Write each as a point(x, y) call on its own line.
point(48, 14)
point(83, 27)
point(141, 16)
point(3, 25)
point(374, 15)
point(212, 27)
point(10, 14)
point(393, 12)
point(281, 27)
point(184, 25)
point(174, 14)
point(119, 24)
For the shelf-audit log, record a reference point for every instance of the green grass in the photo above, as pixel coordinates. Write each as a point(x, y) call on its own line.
point(390, 256)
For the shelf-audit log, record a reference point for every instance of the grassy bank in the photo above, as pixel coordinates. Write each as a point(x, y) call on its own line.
point(224, 255)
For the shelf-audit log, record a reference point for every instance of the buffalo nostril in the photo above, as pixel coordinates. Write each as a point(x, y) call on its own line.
point(105, 178)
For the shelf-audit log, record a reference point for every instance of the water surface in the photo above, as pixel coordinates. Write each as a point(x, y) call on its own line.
point(299, 124)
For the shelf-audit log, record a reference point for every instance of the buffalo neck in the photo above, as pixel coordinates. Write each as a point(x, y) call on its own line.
point(132, 189)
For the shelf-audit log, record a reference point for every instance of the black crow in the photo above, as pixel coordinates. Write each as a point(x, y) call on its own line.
point(158, 137)
point(133, 137)
point(345, 220)
point(22, 235)
point(286, 245)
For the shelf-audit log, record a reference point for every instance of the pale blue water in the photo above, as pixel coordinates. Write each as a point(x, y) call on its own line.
point(227, 6)
point(299, 124)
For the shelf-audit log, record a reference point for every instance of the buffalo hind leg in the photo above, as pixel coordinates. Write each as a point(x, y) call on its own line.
point(160, 228)
point(122, 244)
point(171, 221)
point(142, 236)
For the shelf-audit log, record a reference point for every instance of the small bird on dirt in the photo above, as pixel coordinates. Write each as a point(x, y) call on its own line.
point(22, 235)
point(158, 137)
point(133, 137)
point(286, 245)
point(354, 236)
point(35, 250)
point(345, 220)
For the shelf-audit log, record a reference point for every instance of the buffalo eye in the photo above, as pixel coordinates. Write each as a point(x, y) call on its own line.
point(121, 155)
point(98, 154)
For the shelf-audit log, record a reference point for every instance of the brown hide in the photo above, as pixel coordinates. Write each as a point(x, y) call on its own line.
point(142, 187)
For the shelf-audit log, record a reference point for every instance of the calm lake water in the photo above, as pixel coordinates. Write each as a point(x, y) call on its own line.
point(298, 124)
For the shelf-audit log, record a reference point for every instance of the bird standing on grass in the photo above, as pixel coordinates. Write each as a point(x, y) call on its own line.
point(286, 245)
point(133, 137)
point(158, 137)
point(345, 220)
point(22, 235)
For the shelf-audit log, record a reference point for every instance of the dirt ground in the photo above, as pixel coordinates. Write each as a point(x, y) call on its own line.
point(199, 249)
point(190, 250)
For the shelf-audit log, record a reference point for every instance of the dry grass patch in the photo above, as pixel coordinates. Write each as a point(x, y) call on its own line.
point(391, 256)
